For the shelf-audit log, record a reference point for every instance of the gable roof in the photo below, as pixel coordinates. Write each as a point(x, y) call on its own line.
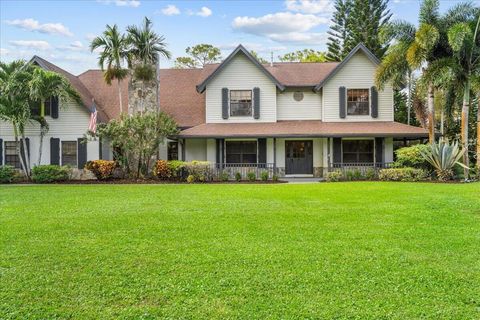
point(358, 47)
point(85, 95)
point(240, 49)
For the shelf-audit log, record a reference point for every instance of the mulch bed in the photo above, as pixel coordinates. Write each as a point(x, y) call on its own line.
point(150, 181)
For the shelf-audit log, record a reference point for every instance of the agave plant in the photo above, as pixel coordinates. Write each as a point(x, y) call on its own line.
point(443, 156)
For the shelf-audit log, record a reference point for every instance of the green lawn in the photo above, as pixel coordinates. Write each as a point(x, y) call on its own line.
point(338, 250)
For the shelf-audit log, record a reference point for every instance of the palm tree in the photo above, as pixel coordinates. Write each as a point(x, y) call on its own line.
point(394, 68)
point(14, 104)
point(43, 85)
point(462, 37)
point(112, 57)
point(145, 47)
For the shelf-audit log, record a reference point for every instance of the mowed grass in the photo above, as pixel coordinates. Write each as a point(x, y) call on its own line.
point(334, 250)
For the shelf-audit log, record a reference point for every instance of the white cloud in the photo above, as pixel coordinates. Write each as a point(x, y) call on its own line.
point(74, 46)
point(280, 22)
point(170, 10)
point(90, 36)
point(34, 25)
point(283, 27)
point(310, 6)
point(4, 52)
point(203, 12)
point(31, 44)
point(122, 3)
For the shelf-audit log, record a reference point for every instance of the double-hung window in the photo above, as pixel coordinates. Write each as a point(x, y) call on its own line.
point(172, 150)
point(358, 151)
point(69, 153)
point(358, 102)
point(241, 151)
point(240, 103)
point(11, 155)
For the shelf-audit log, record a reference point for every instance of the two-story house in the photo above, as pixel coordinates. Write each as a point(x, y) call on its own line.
point(297, 118)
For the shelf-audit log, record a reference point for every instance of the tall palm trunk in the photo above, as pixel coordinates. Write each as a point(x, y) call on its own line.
point(464, 127)
point(409, 97)
point(431, 114)
point(120, 96)
point(478, 134)
point(43, 130)
point(18, 150)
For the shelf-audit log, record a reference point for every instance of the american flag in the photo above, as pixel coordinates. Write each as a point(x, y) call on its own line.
point(92, 125)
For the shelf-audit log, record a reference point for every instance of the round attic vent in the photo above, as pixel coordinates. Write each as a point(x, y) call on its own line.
point(298, 96)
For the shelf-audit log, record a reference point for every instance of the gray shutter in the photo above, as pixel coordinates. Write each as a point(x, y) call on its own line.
point(256, 103)
point(82, 153)
point(54, 113)
point(379, 158)
point(225, 103)
point(262, 150)
point(218, 155)
point(374, 96)
point(342, 103)
point(55, 151)
point(337, 150)
point(1, 152)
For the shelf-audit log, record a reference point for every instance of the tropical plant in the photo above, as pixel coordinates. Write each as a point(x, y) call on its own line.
point(198, 56)
point(144, 48)
point(136, 139)
point(113, 55)
point(43, 85)
point(305, 55)
point(50, 173)
point(443, 156)
point(258, 57)
point(15, 105)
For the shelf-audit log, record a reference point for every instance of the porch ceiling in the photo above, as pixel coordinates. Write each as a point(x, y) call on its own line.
point(304, 128)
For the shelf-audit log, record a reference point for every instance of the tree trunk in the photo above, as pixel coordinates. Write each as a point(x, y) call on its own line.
point(478, 136)
point(409, 98)
point(464, 127)
point(442, 121)
point(25, 152)
point(42, 130)
point(120, 96)
point(157, 80)
point(431, 114)
point(19, 153)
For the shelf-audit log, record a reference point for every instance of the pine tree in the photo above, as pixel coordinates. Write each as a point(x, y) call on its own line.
point(356, 21)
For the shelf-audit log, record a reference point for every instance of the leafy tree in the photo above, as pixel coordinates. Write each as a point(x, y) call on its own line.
point(144, 48)
point(136, 139)
point(305, 55)
point(15, 104)
point(113, 55)
point(198, 56)
point(354, 22)
point(43, 85)
point(260, 59)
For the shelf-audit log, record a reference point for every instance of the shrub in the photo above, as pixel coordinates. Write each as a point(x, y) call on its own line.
point(412, 157)
point(50, 173)
point(251, 176)
point(224, 176)
point(176, 167)
point(102, 169)
point(353, 175)
point(238, 176)
point(191, 178)
point(161, 170)
point(7, 174)
point(200, 170)
point(334, 176)
point(264, 175)
point(370, 174)
point(275, 178)
point(402, 174)
point(444, 156)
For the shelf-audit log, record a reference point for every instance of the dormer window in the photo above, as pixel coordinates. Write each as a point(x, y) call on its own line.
point(358, 102)
point(240, 103)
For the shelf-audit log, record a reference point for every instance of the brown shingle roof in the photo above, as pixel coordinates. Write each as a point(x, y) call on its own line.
point(84, 93)
point(304, 128)
point(301, 74)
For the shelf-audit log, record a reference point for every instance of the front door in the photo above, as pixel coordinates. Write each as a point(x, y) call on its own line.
point(299, 157)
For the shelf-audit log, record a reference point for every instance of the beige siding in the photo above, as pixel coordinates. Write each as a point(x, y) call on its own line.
point(72, 123)
point(310, 108)
point(388, 151)
point(358, 73)
point(241, 74)
point(196, 149)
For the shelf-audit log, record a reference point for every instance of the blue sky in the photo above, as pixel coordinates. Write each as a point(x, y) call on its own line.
point(60, 31)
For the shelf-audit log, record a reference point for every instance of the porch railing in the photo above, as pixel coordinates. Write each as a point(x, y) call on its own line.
point(243, 168)
point(362, 166)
